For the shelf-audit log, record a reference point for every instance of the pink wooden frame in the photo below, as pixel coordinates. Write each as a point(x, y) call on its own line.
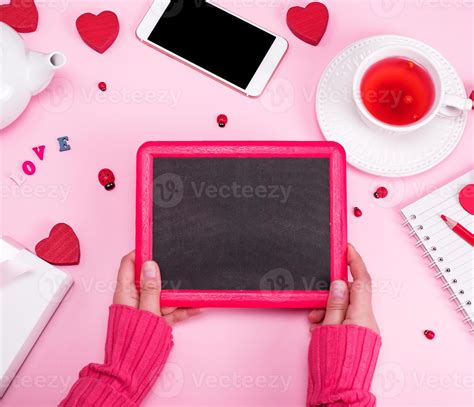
point(244, 299)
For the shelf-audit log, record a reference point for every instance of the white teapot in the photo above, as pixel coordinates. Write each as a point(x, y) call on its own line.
point(23, 73)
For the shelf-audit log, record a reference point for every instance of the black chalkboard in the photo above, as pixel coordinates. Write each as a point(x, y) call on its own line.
point(242, 223)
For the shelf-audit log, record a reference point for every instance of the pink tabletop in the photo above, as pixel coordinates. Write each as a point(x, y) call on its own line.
point(224, 357)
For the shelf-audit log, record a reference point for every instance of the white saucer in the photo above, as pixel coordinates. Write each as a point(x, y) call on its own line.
point(373, 151)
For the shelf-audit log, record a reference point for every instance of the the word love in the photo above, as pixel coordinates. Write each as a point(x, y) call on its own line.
point(29, 167)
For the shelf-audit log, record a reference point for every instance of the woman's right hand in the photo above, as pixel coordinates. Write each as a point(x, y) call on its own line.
point(349, 304)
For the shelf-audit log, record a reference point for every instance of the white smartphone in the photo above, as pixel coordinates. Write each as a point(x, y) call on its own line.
point(214, 41)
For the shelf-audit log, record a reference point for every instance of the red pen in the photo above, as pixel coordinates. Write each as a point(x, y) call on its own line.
point(459, 229)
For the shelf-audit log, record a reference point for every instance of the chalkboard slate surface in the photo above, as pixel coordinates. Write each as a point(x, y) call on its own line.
point(242, 223)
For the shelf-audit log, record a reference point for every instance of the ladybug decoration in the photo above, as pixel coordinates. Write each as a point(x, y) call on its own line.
point(222, 120)
point(357, 212)
point(381, 192)
point(429, 334)
point(107, 179)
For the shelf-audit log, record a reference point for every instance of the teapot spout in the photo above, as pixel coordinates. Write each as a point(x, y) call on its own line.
point(41, 68)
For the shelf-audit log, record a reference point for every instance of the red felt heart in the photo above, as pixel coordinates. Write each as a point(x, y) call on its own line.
point(22, 15)
point(61, 247)
point(98, 31)
point(466, 198)
point(308, 24)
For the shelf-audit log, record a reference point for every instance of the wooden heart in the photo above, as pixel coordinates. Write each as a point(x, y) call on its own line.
point(466, 198)
point(98, 31)
point(308, 24)
point(22, 15)
point(61, 247)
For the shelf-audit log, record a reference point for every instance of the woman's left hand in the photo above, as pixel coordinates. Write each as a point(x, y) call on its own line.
point(148, 299)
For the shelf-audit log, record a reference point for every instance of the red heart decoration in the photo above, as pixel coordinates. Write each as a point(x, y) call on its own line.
point(22, 15)
point(61, 247)
point(466, 198)
point(98, 31)
point(308, 24)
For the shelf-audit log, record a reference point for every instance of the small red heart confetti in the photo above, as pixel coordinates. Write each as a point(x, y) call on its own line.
point(357, 212)
point(380, 193)
point(21, 15)
point(98, 31)
point(61, 247)
point(222, 120)
point(308, 24)
point(471, 96)
point(429, 334)
point(102, 86)
point(107, 179)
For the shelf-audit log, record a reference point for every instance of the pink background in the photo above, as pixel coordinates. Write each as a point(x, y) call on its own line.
point(224, 357)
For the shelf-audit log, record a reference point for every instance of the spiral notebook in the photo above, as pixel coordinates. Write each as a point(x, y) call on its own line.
point(448, 254)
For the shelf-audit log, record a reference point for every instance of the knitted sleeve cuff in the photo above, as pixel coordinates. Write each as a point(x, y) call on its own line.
point(342, 361)
point(137, 346)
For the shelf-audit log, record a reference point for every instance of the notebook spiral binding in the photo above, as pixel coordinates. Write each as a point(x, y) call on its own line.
point(437, 263)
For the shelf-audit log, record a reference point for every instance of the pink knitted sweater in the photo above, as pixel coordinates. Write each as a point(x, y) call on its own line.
point(342, 360)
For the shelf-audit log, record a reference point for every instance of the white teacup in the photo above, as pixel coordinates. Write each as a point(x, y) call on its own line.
point(444, 104)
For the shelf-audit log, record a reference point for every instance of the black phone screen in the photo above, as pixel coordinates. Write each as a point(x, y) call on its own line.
point(213, 39)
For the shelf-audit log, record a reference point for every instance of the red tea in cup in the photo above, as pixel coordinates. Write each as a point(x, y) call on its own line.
point(397, 91)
